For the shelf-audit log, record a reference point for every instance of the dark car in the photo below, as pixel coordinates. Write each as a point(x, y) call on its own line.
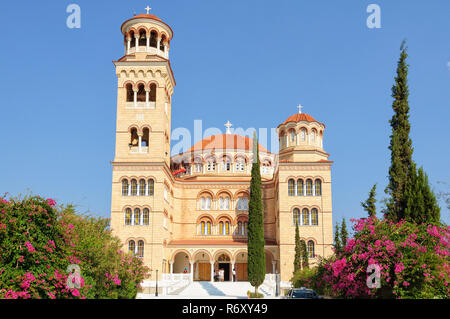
point(303, 293)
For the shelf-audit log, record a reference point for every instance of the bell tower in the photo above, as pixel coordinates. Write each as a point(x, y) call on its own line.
point(141, 196)
point(145, 87)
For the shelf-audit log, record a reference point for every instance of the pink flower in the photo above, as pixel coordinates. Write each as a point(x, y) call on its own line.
point(30, 247)
point(399, 267)
point(51, 202)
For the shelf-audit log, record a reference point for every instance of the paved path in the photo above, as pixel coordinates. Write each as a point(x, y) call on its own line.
point(212, 290)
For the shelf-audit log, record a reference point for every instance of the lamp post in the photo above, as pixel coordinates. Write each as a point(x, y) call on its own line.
point(156, 292)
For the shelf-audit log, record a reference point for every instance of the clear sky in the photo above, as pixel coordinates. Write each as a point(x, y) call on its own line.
point(250, 62)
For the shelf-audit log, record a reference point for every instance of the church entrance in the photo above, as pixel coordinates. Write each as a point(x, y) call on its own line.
point(204, 271)
point(226, 271)
point(241, 272)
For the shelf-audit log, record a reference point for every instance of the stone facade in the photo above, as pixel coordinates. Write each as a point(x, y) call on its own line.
point(188, 213)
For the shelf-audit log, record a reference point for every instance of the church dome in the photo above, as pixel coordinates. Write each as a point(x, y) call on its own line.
point(299, 117)
point(226, 142)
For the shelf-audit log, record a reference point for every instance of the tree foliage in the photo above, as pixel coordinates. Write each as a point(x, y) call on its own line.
point(370, 204)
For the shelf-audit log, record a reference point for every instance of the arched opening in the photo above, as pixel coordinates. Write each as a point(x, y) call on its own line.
point(132, 247)
point(153, 39)
point(310, 247)
point(140, 249)
point(202, 266)
point(242, 202)
point(125, 187)
point(296, 216)
point(270, 267)
point(314, 217)
point(151, 187)
point(240, 266)
point(224, 202)
point(224, 226)
point(137, 216)
point(291, 187)
point(142, 187)
point(300, 187)
point(162, 45)
point(128, 216)
point(309, 186)
point(152, 97)
point(142, 38)
point(133, 187)
point(145, 137)
point(133, 39)
point(181, 263)
point(130, 92)
point(141, 93)
point(146, 216)
point(318, 187)
point(134, 138)
point(305, 217)
point(222, 267)
point(205, 226)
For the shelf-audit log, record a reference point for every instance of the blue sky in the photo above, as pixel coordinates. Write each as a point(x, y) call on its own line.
point(250, 62)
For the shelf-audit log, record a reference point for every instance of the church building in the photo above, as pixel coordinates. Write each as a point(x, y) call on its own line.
point(188, 213)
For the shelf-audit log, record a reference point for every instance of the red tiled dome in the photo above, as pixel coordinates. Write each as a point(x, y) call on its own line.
point(298, 117)
point(226, 141)
point(145, 16)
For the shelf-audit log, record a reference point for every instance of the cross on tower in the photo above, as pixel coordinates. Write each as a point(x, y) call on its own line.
point(228, 125)
point(148, 9)
point(299, 108)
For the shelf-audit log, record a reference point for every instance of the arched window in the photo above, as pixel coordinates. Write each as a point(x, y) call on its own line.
point(221, 228)
point(142, 38)
point(303, 135)
point(245, 226)
point(226, 164)
point(205, 227)
point(145, 136)
point(130, 92)
point(134, 137)
point(132, 247)
point(242, 203)
point(211, 165)
point(151, 187)
point(239, 230)
point(291, 187)
point(137, 216)
point(300, 187)
point(205, 203)
point(152, 96)
point(315, 216)
point(311, 253)
point(133, 39)
point(141, 93)
point(305, 217)
point(142, 187)
point(309, 186)
point(240, 164)
point(153, 39)
point(162, 43)
point(293, 137)
point(133, 187)
point(296, 216)
point(125, 187)
point(313, 136)
point(140, 249)
point(224, 203)
point(128, 216)
point(318, 186)
point(146, 216)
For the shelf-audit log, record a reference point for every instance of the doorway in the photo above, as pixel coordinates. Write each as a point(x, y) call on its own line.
point(226, 269)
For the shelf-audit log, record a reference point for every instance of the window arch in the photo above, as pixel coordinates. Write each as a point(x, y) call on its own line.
point(140, 249)
point(153, 39)
point(303, 135)
point(314, 217)
point(162, 43)
point(145, 136)
point(211, 164)
point(226, 164)
point(125, 187)
point(128, 216)
point(242, 203)
point(313, 136)
point(240, 164)
point(310, 247)
point(133, 187)
point(130, 92)
point(151, 187)
point(318, 187)
point(300, 187)
point(141, 93)
point(137, 216)
point(291, 187)
point(132, 247)
point(224, 202)
point(205, 226)
point(133, 39)
point(146, 216)
point(152, 96)
point(134, 139)
point(309, 186)
point(142, 38)
point(142, 187)
point(292, 136)
point(205, 202)
point(305, 217)
point(296, 216)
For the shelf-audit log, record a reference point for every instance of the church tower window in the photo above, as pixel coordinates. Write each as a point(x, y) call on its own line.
point(133, 187)
point(296, 216)
point(151, 187)
point(141, 93)
point(153, 39)
point(130, 92)
point(128, 216)
point(309, 186)
point(140, 249)
point(305, 217)
point(132, 247)
point(318, 187)
point(291, 187)
point(146, 216)
point(311, 253)
point(300, 187)
point(315, 216)
point(125, 187)
point(152, 96)
point(137, 216)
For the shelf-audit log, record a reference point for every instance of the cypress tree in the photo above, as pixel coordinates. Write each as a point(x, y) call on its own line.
point(401, 144)
point(304, 252)
point(337, 240)
point(298, 252)
point(369, 204)
point(344, 234)
point(256, 268)
point(421, 204)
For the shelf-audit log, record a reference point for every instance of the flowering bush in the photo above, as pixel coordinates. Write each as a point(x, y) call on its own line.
point(413, 261)
point(38, 242)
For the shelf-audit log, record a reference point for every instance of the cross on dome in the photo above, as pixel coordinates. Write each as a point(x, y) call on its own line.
point(228, 125)
point(148, 9)
point(299, 108)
